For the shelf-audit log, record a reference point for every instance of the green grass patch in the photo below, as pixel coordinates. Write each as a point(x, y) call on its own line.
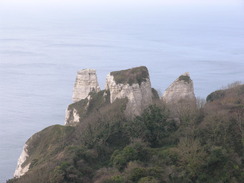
point(131, 76)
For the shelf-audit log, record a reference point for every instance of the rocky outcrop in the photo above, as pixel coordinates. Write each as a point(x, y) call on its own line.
point(71, 116)
point(133, 84)
point(75, 111)
point(22, 168)
point(86, 81)
point(180, 91)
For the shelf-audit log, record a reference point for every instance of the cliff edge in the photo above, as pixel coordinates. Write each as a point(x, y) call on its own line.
point(133, 84)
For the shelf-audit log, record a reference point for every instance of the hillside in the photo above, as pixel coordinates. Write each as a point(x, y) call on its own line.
point(194, 143)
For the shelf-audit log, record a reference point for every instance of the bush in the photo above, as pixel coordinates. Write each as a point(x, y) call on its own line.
point(120, 159)
point(148, 180)
point(215, 95)
point(152, 126)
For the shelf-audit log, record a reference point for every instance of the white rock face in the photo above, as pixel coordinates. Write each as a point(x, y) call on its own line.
point(21, 170)
point(180, 90)
point(86, 81)
point(71, 116)
point(139, 95)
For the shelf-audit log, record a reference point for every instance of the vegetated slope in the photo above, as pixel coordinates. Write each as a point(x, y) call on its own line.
point(205, 144)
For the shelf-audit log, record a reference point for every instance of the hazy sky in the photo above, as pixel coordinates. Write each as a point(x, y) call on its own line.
point(136, 2)
point(87, 5)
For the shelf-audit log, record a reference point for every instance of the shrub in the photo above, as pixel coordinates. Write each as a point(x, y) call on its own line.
point(120, 159)
point(131, 76)
point(152, 126)
point(215, 95)
point(148, 180)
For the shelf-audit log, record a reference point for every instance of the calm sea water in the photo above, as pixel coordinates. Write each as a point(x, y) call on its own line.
point(41, 48)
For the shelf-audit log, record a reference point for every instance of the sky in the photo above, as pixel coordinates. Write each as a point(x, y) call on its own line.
point(125, 2)
point(12, 6)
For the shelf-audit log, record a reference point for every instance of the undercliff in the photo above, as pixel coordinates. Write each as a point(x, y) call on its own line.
point(204, 144)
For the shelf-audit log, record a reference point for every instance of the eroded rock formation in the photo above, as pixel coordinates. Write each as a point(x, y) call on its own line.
point(22, 168)
point(86, 81)
point(74, 111)
point(135, 85)
point(181, 90)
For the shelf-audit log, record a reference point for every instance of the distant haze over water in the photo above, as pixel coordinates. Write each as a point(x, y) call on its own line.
point(42, 45)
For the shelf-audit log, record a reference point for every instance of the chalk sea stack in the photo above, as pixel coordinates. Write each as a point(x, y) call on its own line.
point(133, 84)
point(86, 81)
point(180, 91)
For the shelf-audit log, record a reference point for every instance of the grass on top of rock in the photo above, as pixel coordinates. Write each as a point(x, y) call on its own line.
point(185, 78)
point(85, 107)
point(131, 76)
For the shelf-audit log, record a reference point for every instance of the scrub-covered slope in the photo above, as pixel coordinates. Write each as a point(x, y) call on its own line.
point(204, 144)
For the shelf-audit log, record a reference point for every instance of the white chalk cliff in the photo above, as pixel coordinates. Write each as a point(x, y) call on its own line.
point(139, 94)
point(86, 81)
point(180, 90)
point(21, 168)
point(71, 116)
point(133, 84)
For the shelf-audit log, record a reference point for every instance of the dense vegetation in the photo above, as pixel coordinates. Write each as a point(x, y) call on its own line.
point(131, 76)
point(201, 144)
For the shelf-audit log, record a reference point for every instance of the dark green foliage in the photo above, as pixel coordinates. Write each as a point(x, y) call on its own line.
point(152, 126)
point(137, 151)
point(97, 101)
point(184, 78)
point(115, 179)
point(131, 76)
point(80, 107)
point(215, 95)
point(106, 147)
point(121, 158)
point(104, 126)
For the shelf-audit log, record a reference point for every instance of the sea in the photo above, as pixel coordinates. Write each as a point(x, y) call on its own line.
point(43, 45)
